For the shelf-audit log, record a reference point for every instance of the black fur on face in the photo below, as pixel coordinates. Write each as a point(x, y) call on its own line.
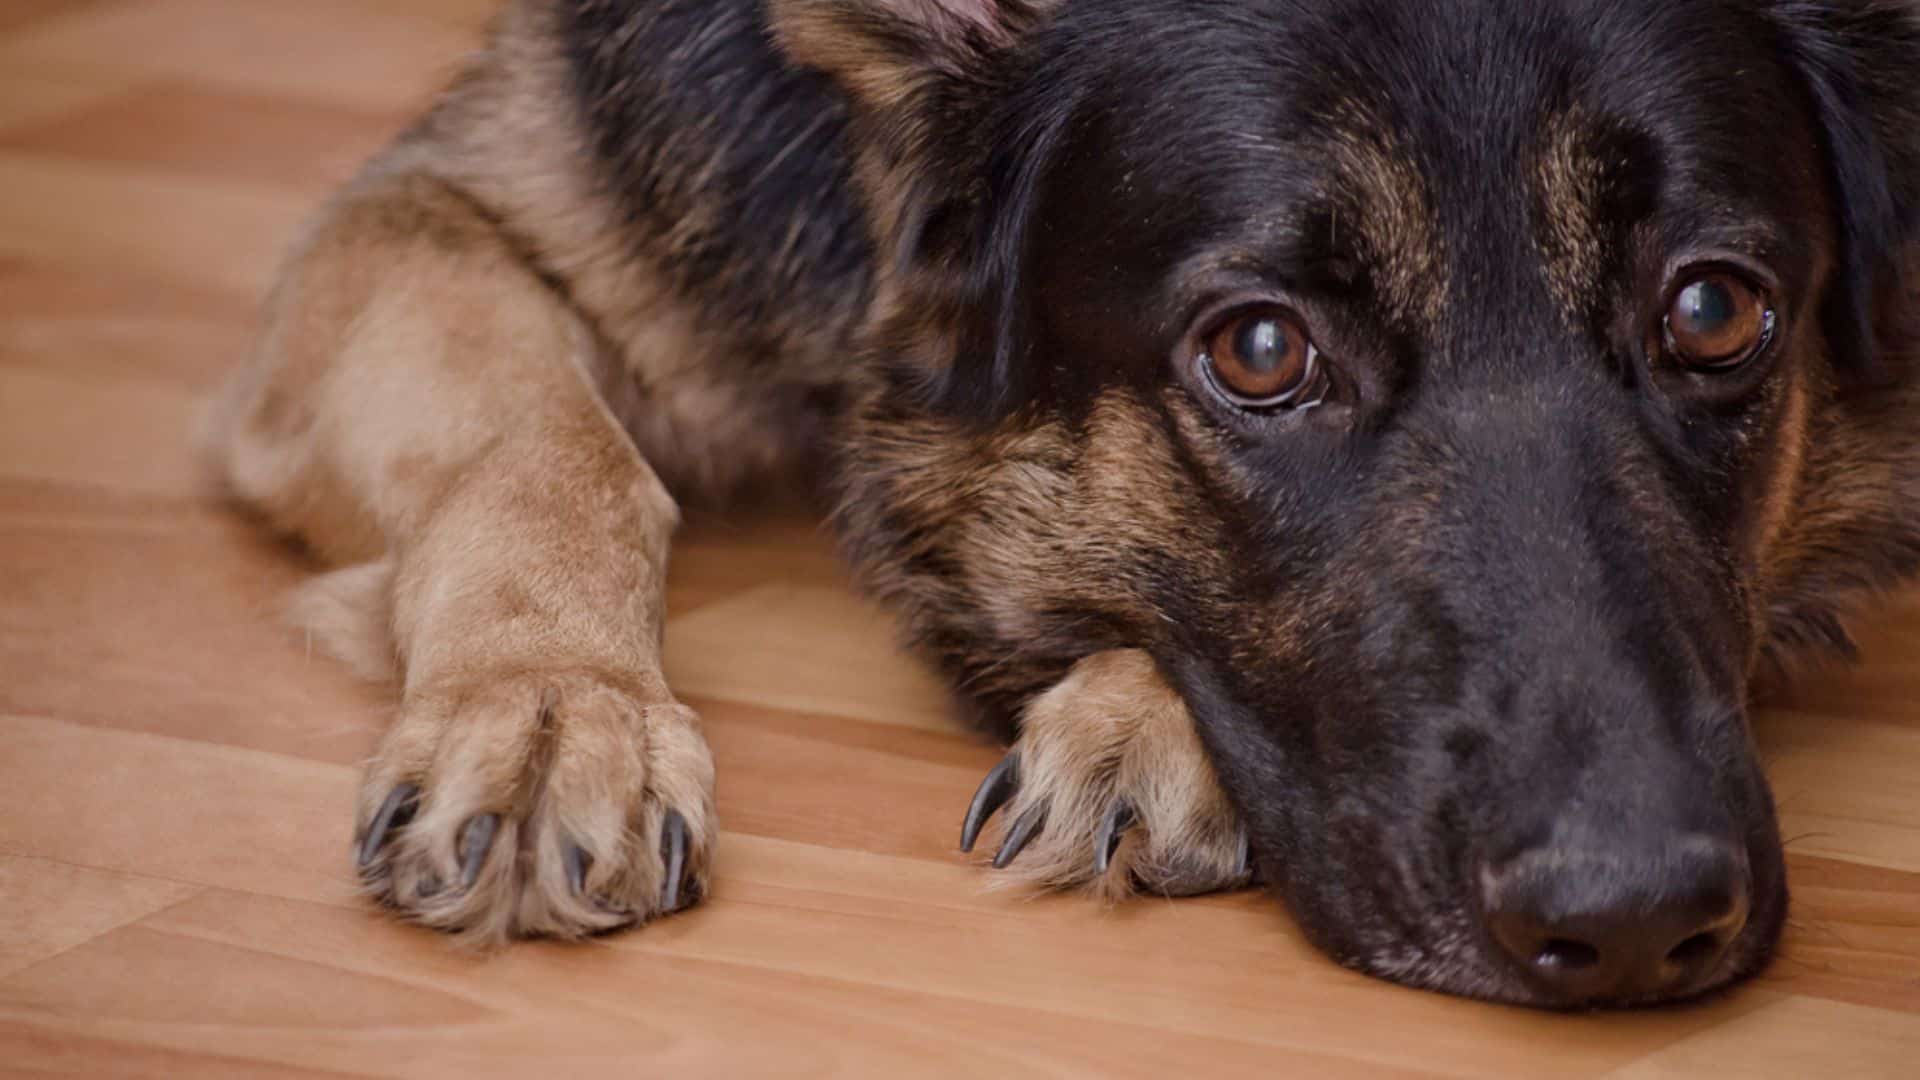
point(1502, 588)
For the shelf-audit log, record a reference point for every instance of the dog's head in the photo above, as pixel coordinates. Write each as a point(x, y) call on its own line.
point(1460, 400)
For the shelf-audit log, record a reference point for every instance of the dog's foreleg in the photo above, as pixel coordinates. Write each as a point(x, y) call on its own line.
point(420, 408)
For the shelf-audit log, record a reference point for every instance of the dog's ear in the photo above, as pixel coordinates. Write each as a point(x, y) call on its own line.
point(946, 195)
point(920, 75)
point(1861, 62)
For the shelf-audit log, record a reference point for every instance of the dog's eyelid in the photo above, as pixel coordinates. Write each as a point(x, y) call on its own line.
point(1217, 281)
point(1694, 261)
point(1216, 306)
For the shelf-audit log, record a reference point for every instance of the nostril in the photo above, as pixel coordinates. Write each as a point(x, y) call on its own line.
point(1696, 951)
point(1566, 955)
point(1640, 919)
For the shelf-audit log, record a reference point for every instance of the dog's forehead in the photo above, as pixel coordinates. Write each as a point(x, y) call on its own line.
point(1378, 188)
point(1477, 211)
point(1491, 148)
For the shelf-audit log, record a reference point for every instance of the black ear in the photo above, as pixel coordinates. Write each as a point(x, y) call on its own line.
point(1861, 61)
point(946, 188)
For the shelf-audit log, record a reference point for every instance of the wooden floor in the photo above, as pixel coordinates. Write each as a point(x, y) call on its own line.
point(177, 771)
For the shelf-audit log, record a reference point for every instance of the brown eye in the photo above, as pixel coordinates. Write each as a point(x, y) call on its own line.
point(1262, 358)
point(1716, 322)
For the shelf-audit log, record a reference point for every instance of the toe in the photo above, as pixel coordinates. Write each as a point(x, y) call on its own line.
point(1025, 828)
point(1113, 828)
point(476, 842)
point(395, 811)
point(673, 852)
point(1001, 782)
point(578, 862)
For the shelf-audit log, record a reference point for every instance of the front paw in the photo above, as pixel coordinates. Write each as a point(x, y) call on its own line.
point(537, 805)
point(1108, 787)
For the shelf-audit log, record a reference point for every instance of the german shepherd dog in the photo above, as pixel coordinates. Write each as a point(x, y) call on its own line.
point(1369, 448)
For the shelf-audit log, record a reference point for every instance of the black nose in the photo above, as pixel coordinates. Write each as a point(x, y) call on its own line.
point(1590, 925)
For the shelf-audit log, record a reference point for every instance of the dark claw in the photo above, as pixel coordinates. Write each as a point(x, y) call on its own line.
point(1025, 828)
point(1107, 841)
point(1246, 857)
point(1001, 782)
point(476, 840)
point(394, 813)
point(578, 863)
point(673, 848)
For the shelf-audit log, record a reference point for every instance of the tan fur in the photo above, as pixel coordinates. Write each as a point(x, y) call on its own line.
point(1385, 201)
point(1035, 518)
point(422, 398)
point(566, 759)
point(505, 134)
point(1038, 520)
point(1113, 729)
point(1777, 503)
point(891, 90)
point(1566, 181)
point(348, 614)
point(1853, 460)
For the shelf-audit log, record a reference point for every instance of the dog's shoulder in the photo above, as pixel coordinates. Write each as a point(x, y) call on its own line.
point(715, 144)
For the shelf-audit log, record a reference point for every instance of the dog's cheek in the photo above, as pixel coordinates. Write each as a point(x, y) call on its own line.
point(1014, 551)
point(1775, 476)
